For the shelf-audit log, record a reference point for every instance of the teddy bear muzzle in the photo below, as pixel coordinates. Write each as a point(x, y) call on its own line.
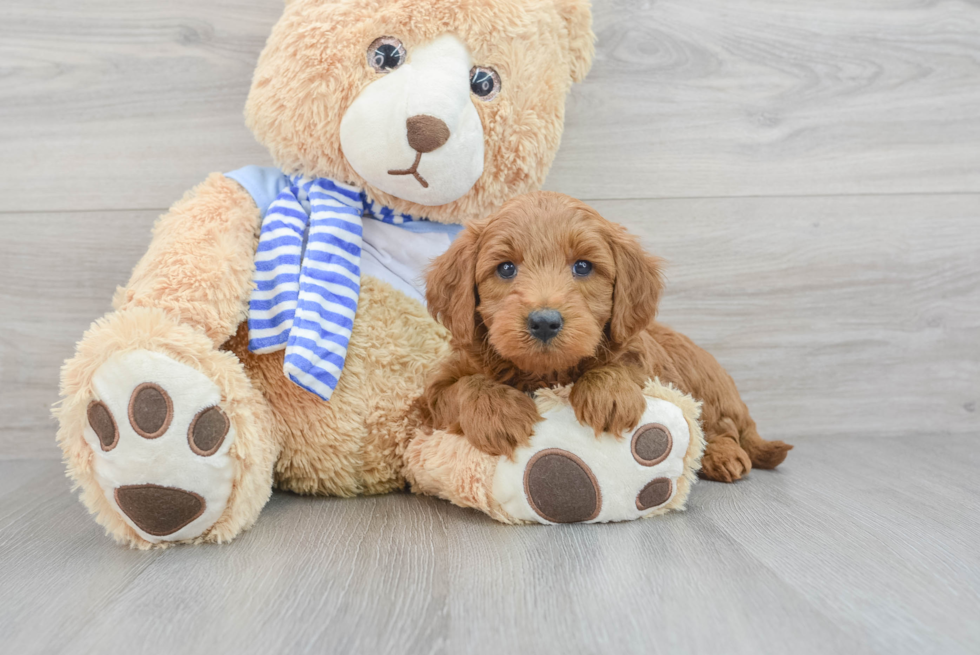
point(414, 131)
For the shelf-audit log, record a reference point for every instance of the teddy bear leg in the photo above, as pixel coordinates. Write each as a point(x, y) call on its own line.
point(446, 465)
point(163, 431)
point(566, 474)
point(165, 434)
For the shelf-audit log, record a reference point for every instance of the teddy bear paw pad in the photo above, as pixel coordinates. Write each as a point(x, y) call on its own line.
point(568, 475)
point(160, 442)
point(561, 488)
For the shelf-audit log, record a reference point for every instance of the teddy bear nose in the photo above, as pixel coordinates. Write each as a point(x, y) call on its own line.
point(544, 324)
point(426, 133)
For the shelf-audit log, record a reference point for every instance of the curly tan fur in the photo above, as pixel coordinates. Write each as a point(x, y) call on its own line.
point(608, 346)
point(352, 445)
point(199, 265)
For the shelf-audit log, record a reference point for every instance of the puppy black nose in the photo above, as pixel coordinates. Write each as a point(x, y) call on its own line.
point(426, 133)
point(544, 324)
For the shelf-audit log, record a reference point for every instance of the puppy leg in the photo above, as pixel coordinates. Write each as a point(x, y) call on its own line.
point(608, 399)
point(495, 418)
point(734, 445)
point(724, 459)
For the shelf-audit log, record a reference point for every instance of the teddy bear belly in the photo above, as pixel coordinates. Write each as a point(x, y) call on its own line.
point(352, 444)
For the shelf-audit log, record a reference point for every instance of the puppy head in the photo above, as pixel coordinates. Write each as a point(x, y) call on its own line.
point(549, 280)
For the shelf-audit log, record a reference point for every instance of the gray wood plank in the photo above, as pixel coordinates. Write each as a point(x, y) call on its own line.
point(65, 268)
point(854, 545)
point(602, 588)
point(112, 104)
point(853, 524)
point(762, 98)
point(856, 315)
point(55, 562)
point(128, 106)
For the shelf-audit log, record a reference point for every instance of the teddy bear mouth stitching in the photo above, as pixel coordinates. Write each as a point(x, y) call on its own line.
point(413, 170)
point(425, 134)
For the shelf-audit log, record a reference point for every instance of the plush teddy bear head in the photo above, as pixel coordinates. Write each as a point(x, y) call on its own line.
point(438, 108)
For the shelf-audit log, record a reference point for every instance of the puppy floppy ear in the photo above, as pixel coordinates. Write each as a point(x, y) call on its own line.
point(450, 285)
point(637, 288)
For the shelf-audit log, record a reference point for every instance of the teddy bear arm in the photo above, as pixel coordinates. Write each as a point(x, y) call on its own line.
point(200, 263)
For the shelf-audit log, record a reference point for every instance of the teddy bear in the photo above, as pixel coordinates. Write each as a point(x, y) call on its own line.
point(274, 333)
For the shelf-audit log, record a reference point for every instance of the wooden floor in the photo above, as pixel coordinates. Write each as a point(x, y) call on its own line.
point(856, 546)
point(811, 170)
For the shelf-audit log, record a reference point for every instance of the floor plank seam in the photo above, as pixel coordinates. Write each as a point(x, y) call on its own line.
point(898, 194)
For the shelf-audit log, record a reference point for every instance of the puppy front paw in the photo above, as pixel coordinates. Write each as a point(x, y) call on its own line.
point(500, 421)
point(607, 402)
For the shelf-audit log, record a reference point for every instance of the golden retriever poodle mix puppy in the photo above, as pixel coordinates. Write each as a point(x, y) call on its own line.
point(547, 292)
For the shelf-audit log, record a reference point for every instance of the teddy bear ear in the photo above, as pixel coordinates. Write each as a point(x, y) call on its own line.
point(581, 41)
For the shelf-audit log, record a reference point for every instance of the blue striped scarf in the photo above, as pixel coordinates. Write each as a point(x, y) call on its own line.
point(308, 278)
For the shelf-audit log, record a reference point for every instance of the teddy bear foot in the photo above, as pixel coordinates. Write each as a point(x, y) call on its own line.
point(567, 475)
point(160, 442)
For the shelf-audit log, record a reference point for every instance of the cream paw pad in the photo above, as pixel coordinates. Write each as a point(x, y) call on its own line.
point(160, 445)
point(567, 474)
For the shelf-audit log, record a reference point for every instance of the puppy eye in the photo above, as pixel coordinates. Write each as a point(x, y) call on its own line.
point(581, 268)
point(507, 270)
point(385, 54)
point(484, 83)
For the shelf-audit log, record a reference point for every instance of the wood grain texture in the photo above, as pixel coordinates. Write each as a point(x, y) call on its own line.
point(762, 97)
point(845, 549)
point(60, 271)
point(126, 105)
point(858, 315)
point(130, 105)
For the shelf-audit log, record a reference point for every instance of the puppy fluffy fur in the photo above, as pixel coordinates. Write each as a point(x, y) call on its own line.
point(608, 345)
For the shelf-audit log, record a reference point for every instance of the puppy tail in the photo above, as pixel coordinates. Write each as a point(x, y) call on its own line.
point(764, 454)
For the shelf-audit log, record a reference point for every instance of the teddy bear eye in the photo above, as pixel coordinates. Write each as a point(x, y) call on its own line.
point(484, 83)
point(385, 54)
point(506, 270)
point(581, 268)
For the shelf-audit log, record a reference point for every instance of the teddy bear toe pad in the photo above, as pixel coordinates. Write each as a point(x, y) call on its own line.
point(160, 443)
point(568, 475)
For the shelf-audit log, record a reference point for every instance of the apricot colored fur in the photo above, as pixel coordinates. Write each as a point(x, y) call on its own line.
point(608, 347)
